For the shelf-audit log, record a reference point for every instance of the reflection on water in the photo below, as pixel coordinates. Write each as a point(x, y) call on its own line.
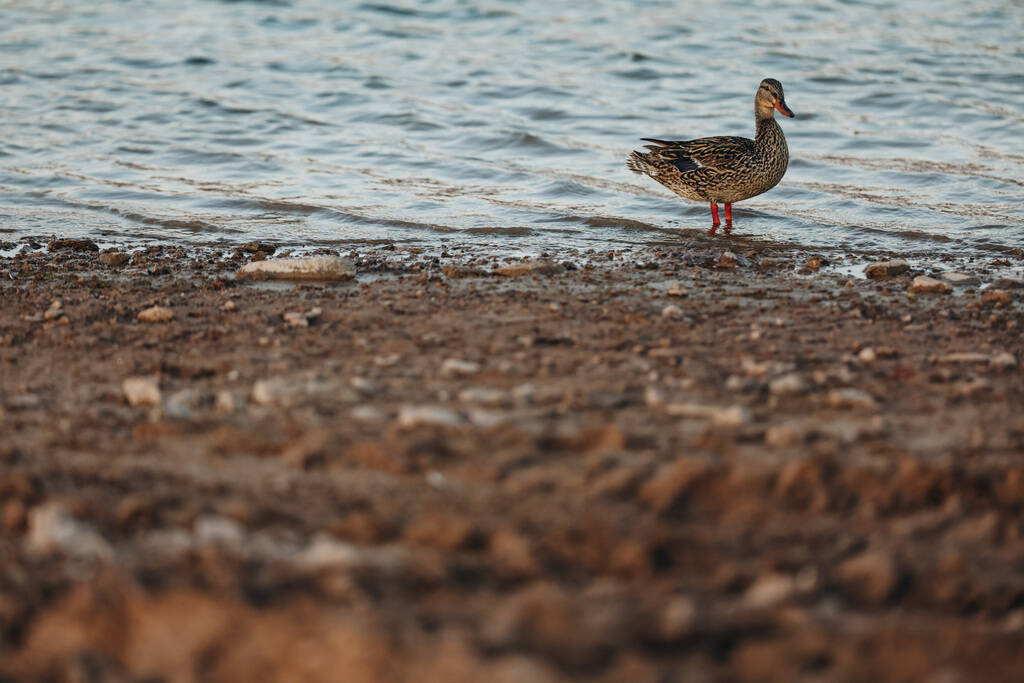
point(310, 121)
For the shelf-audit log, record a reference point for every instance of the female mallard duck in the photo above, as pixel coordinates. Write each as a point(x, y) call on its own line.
point(723, 169)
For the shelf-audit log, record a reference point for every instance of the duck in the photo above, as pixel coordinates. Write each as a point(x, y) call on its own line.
point(723, 169)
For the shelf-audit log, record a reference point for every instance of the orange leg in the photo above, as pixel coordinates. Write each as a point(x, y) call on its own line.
point(728, 218)
point(714, 218)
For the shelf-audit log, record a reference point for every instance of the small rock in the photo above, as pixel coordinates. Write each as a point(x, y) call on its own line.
point(113, 257)
point(996, 297)
point(253, 247)
point(296, 319)
point(851, 398)
point(485, 396)
point(869, 578)
point(1004, 360)
point(883, 269)
point(224, 402)
point(156, 314)
point(1008, 283)
point(332, 268)
point(430, 416)
point(215, 530)
point(52, 529)
point(455, 367)
point(141, 391)
point(728, 260)
point(732, 416)
point(228, 305)
point(54, 311)
point(787, 385)
point(271, 391)
point(923, 284)
point(781, 436)
point(530, 268)
point(72, 245)
point(676, 620)
point(672, 312)
point(455, 272)
point(770, 590)
point(959, 278)
point(867, 355)
point(511, 555)
point(676, 288)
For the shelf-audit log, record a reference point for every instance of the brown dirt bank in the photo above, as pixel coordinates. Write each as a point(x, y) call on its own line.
point(664, 464)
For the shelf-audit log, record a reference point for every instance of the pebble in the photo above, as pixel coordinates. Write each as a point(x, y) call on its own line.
point(997, 297)
point(54, 311)
point(884, 269)
point(428, 416)
point(672, 312)
point(781, 436)
point(676, 620)
point(770, 590)
point(141, 391)
point(959, 278)
point(868, 355)
point(113, 258)
point(530, 268)
point(923, 284)
point(331, 268)
point(455, 367)
point(156, 314)
point(1008, 283)
point(787, 385)
point(228, 305)
point(728, 260)
point(224, 402)
point(1004, 360)
point(676, 288)
point(485, 396)
point(851, 398)
point(732, 416)
point(215, 530)
point(52, 529)
point(72, 245)
point(868, 578)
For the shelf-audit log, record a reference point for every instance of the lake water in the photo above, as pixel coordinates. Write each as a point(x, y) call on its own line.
point(308, 122)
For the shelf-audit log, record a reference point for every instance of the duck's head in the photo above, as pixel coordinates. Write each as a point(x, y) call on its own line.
point(770, 96)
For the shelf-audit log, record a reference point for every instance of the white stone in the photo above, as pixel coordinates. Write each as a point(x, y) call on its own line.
point(672, 311)
point(851, 398)
point(51, 529)
point(732, 416)
point(1005, 360)
point(310, 268)
point(432, 416)
point(867, 355)
point(787, 384)
point(676, 288)
point(141, 391)
point(455, 367)
point(219, 531)
point(923, 284)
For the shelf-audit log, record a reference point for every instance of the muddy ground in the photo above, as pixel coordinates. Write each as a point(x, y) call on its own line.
point(661, 464)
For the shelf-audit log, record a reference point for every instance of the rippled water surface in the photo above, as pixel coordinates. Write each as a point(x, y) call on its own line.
point(313, 122)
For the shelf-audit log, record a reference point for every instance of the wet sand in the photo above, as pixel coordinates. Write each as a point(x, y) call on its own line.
point(665, 464)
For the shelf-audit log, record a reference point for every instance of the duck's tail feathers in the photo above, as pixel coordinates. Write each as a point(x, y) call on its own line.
point(637, 163)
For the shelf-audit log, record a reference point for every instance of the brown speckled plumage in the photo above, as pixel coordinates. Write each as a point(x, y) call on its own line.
point(723, 169)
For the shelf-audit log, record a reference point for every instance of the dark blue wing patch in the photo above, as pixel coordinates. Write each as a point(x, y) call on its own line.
point(685, 164)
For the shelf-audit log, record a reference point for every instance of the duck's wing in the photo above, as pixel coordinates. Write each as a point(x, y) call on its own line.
point(722, 153)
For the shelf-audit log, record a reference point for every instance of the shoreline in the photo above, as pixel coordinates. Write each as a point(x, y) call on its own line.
point(666, 462)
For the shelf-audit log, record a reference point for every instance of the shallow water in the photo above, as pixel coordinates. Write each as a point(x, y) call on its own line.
point(313, 122)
